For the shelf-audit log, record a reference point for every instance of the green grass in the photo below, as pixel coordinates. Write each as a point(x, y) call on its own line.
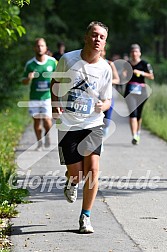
point(155, 112)
point(13, 121)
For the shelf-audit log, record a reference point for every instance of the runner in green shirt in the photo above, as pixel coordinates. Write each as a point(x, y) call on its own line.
point(40, 98)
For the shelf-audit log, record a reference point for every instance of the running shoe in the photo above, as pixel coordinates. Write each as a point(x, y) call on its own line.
point(39, 147)
point(85, 226)
point(136, 140)
point(70, 192)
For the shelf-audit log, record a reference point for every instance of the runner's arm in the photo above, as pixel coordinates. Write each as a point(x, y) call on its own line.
point(116, 79)
point(29, 78)
point(147, 75)
point(56, 110)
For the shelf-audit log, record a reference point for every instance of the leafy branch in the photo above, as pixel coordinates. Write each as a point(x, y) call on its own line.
point(10, 22)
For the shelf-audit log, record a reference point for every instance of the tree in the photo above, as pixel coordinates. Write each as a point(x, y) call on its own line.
point(10, 22)
point(157, 11)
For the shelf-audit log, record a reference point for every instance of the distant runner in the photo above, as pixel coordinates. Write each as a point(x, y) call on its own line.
point(40, 97)
point(136, 89)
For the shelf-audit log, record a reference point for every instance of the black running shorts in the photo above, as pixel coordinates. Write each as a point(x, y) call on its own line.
point(74, 145)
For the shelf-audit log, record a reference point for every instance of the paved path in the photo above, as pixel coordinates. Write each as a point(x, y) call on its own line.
point(128, 215)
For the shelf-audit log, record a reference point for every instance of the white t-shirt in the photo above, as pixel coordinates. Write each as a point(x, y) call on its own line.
point(81, 86)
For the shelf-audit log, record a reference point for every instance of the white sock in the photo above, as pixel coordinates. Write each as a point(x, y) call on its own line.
point(134, 135)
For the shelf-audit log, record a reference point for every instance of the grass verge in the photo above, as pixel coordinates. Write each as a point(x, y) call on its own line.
point(154, 114)
point(13, 122)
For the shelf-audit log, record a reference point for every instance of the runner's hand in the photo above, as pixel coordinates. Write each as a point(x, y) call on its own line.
point(56, 112)
point(31, 75)
point(99, 107)
point(137, 72)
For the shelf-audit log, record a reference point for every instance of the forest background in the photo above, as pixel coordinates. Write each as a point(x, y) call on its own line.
point(129, 21)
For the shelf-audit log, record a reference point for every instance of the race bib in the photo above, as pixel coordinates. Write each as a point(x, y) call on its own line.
point(135, 89)
point(42, 86)
point(78, 104)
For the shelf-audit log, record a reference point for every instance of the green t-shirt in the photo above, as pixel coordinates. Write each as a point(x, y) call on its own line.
point(40, 85)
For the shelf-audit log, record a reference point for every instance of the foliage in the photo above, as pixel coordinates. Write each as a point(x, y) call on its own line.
point(18, 2)
point(154, 117)
point(10, 22)
point(66, 21)
point(5, 226)
point(160, 71)
point(8, 194)
point(7, 210)
point(10, 75)
point(10, 26)
point(13, 120)
point(42, 20)
point(157, 11)
point(126, 25)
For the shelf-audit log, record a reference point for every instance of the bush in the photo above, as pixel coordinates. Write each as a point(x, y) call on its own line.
point(160, 71)
point(154, 116)
point(13, 121)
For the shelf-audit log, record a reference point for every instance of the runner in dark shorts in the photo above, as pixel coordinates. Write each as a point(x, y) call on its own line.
point(136, 92)
point(72, 144)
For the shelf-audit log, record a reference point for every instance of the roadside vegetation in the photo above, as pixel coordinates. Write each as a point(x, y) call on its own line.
point(155, 111)
point(13, 122)
point(12, 119)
